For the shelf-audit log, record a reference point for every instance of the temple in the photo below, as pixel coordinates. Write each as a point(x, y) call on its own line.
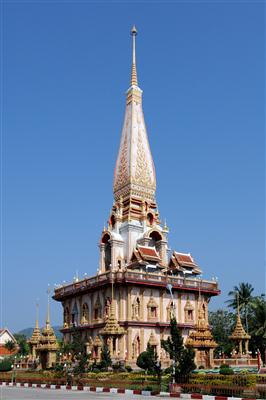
point(127, 304)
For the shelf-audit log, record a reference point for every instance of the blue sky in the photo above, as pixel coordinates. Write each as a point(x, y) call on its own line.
point(66, 68)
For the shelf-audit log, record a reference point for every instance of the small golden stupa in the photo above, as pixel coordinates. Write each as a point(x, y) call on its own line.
point(201, 340)
point(239, 336)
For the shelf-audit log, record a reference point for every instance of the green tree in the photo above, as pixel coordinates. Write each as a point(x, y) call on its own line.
point(10, 345)
point(243, 295)
point(105, 357)
point(147, 359)
point(22, 343)
point(173, 345)
point(186, 362)
point(77, 348)
point(182, 357)
point(222, 323)
point(258, 326)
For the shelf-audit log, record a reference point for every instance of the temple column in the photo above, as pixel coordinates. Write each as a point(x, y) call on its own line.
point(161, 246)
point(142, 340)
point(179, 317)
point(129, 344)
point(129, 304)
point(102, 255)
point(121, 347)
point(246, 346)
point(240, 347)
point(142, 304)
point(120, 305)
point(80, 310)
point(161, 306)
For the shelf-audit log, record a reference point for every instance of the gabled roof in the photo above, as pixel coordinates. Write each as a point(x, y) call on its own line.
point(182, 262)
point(146, 255)
point(3, 330)
point(149, 253)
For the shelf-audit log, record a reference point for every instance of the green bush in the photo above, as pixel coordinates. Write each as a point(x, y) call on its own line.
point(5, 365)
point(128, 368)
point(224, 366)
point(226, 371)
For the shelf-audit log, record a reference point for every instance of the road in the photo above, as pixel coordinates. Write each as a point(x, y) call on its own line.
point(16, 393)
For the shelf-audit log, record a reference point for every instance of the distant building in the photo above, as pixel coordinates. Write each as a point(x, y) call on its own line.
point(6, 336)
point(127, 304)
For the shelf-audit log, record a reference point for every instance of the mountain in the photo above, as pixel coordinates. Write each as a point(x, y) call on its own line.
point(28, 332)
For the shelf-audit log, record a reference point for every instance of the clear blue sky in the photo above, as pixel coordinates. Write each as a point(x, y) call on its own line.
point(66, 68)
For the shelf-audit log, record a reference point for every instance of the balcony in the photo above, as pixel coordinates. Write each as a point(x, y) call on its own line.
point(137, 278)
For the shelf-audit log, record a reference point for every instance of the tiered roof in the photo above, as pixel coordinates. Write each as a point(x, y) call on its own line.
point(112, 327)
point(181, 262)
point(201, 337)
point(239, 332)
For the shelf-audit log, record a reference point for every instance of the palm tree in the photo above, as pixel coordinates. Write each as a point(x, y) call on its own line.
point(242, 296)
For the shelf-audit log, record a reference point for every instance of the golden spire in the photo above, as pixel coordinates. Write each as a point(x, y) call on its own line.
point(48, 308)
point(134, 79)
point(37, 316)
point(36, 332)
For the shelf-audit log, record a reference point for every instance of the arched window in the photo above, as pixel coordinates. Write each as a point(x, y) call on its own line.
point(150, 218)
point(155, 237)
point(112, 221)
point(66, 317)
point(85, 313)
point(97, 310)
point(74, 315)
point(136, 309)
point(107, 305)
point(107, 251)
point(136, 347)
point(152, 309)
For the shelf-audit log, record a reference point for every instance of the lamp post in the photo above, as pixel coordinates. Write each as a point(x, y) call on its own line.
point(169, 288)
point(13, 373)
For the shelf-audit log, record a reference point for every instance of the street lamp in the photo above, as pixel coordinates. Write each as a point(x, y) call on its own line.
point(169, 288)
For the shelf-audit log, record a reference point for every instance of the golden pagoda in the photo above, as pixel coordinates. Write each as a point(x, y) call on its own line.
point(238, 336)
point(36, 335)
point(47, 346)
point(201, 340)
point(112, 329)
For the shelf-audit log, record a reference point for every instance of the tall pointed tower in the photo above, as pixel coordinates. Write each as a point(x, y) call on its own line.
point(134, 218)
point(128, 304)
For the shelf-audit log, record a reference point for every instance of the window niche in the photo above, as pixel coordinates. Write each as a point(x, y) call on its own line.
point(136, 309)
point(85, 314)
point(152, 309)
point(189, 311)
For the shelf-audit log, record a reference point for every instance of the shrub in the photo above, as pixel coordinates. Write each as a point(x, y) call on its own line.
point(226, 371)
point(5, 365)
point(58, 368)
point(128, 368)
point(224, 366)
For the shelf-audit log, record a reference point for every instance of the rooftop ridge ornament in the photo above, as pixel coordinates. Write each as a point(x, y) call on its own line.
point(134, 78)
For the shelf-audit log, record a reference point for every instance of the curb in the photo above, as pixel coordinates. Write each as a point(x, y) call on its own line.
point(187, 396)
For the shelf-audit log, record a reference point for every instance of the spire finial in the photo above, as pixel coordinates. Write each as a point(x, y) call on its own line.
point(237, 301)
point(37, 314)
point(134, 79)
point(48, 307)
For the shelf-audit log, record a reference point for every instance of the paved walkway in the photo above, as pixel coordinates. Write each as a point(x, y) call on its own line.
point(16, 393)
